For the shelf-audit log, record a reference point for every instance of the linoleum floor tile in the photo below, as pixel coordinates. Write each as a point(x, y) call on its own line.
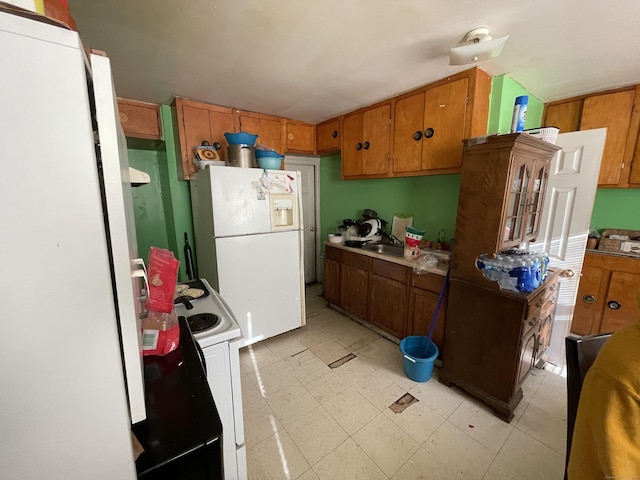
point(351, 410)
point(348, 462)
point(479, 422)
point(386, 444)
point(460, 453)
point(316, 434)
point(275, 457)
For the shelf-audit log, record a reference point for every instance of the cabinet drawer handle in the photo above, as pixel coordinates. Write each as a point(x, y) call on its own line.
point(334, 134)
point(365, 145)
point(589, 299)
point(417, 135)
point(539, 303)
point(533, 321)
point(613, 305)
point(358, 146)
point(428, 133)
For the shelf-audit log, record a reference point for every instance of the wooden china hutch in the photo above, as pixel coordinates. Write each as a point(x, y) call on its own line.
point(494, 337)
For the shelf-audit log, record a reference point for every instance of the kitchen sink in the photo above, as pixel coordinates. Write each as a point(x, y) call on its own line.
point(384, 249)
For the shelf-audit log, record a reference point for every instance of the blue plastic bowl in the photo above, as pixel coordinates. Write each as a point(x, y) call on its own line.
point(267, 153)
point(241, 138)
point(270, 163)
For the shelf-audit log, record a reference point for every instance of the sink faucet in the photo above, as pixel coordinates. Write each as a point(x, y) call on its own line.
point(393, 239)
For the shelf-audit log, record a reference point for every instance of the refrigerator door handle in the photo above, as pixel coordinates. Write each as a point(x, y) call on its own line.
point(142, 273)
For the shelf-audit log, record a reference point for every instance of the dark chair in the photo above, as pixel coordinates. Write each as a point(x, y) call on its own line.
point(581, 352)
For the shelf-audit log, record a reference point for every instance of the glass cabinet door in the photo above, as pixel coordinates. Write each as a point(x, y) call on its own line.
point(536, 201)
point(517, 201)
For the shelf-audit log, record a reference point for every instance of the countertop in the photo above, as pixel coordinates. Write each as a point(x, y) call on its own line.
point(613, 254)
point(441, 269)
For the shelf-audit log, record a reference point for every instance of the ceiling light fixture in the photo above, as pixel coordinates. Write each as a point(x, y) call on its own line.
point(479, 46)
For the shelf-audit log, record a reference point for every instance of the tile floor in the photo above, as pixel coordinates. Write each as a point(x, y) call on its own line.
point(305, 420)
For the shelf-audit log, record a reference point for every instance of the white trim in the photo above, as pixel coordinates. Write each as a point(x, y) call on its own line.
point(292, 160)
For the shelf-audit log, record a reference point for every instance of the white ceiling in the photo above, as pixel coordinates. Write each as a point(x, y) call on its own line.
point(314, 59)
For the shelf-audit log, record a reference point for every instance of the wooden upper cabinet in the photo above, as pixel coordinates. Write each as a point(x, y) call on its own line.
point(612, 111)
point(365, 143)
point(444, 121)
point(634, 168)
point(408, 133)
point(328, 136)
point(300, 137)
point(140, 119)
point(198, 123)
point(565, 116)
point(619, 112)
point(430, 123)
point(269, 129)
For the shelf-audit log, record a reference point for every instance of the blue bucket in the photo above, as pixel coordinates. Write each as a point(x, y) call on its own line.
point(416, 366)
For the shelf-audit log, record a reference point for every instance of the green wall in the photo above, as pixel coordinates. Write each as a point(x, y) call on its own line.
point(432, 200)
point(616, 208)
point(504, 91)
point(162, 208)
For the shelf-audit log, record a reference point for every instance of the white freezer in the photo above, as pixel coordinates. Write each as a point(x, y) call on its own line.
point(240, 203)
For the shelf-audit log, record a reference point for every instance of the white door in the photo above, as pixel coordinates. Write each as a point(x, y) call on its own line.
point(260, 278)
point(566, 215)
point(308, 173)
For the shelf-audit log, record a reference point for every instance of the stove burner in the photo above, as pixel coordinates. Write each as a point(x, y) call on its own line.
point(202, 321)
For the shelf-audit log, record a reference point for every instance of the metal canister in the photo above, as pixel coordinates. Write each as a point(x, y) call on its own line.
point(240, 155)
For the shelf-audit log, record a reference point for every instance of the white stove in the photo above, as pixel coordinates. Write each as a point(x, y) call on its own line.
point(220, 345)
point(226, 329)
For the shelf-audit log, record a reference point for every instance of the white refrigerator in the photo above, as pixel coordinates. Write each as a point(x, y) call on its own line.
point(72, 381)
point(249, 245)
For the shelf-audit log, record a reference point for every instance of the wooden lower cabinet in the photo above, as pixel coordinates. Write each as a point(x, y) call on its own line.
point(385, 294)
point(354, 284)
point(388, 294)
point(423, 299)
point(331, 285)
point(608, 296)
point(494, 339)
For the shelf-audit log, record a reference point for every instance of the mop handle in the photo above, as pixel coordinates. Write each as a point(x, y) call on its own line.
point(437, 311)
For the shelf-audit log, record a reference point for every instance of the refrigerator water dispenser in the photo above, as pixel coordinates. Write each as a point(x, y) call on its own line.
point(283, 212)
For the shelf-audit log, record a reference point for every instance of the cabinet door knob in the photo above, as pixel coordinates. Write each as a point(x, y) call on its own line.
point(365, 145)
point(334, 134)
point(204, 143)
point(568, 273)
point(217, 145)
point(428, 133)
point(613, 305)
point(358, 146)
point(533, 321)
point(589, 299)
point(417, 135)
